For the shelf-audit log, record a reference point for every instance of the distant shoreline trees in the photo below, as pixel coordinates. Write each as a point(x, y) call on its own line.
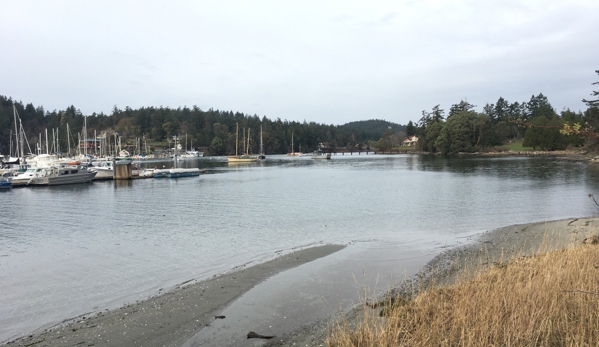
point(463, 130)
point(213, 130)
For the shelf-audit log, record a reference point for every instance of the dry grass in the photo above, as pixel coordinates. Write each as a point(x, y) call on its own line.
point(547, 300)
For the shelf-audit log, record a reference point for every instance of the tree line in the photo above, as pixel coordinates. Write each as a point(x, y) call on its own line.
point(213, 131)
point(460, 130)
point(536, 122)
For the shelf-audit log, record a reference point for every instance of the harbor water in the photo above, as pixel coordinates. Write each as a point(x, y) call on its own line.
point(66, 251)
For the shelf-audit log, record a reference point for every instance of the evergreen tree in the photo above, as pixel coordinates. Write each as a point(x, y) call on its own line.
point(410, 129)
point(593, 103)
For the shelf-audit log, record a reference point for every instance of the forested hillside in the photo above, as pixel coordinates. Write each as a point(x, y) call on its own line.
point(213, 130)
point(461, 130)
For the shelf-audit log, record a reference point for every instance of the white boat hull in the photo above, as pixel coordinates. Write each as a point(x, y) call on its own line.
point(103, 173)
point(82, 177)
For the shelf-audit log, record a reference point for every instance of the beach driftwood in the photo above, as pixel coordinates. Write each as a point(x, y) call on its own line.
point(253, 335)
point(219, 317)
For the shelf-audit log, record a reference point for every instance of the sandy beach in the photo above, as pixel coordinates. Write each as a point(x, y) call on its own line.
point(172, 318)
point(169, 319)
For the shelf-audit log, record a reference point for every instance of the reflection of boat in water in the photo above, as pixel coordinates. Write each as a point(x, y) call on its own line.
point(53, 176)
point(175, 173)
point(319, 154)
point(244, 158)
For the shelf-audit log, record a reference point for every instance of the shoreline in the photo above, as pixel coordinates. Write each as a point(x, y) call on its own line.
point(501, 245)
point(489, 248)
point(170, 318)
point(173, 317)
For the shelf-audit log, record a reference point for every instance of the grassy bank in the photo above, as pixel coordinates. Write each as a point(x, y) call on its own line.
point(551, 299)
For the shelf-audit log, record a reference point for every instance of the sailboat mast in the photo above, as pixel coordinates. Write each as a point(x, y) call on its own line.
point(243, 141)
point(261, 144)
point(176, 153)
point(85, 134)
point(236, 138)
point(247, 150)
point(68, 140)
point(17, 140)
point(21, 140)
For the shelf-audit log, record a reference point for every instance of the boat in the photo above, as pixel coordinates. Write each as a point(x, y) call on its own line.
point(319, 154)
point(104, 169)
point(244, 158)
point(26, 177)
point(54, 176)
point(5, 182)
point(146, 173)
point(293, 153)
point(190, 155)
point(175, 173)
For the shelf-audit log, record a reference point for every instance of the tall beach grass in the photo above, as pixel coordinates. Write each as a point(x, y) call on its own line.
point(550, 299)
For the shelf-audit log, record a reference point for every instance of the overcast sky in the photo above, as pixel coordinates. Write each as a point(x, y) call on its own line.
point(325, 61)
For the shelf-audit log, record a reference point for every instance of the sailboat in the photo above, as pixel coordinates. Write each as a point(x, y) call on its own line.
point(261, 156)
point(189, 154)
point(244, 158)
point(175, 171)
point(293, 153)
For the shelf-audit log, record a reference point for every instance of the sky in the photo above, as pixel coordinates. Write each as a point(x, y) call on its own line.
point(328, 62)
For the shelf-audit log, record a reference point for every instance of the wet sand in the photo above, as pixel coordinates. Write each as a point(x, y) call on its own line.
point(489, 248)
point(172, 318)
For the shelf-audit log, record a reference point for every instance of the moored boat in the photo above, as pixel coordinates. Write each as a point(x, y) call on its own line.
point(105, 170)
point(243, 158)
point(293, 153)
point(5, 183)
point(190, 155)
point(319, 154)
point(175, 173)
point(53, 176)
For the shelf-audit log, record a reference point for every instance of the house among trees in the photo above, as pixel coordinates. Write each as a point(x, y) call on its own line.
point(89, 143)
point(410, 141)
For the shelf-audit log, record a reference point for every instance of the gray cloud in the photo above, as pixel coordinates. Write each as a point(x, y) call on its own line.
point(329, 62)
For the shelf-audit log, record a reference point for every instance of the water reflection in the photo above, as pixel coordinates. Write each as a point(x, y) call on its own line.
point(156, 233)
point(123, 183)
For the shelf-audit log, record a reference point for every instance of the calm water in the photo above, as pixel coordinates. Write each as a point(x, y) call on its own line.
point(66, 251)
